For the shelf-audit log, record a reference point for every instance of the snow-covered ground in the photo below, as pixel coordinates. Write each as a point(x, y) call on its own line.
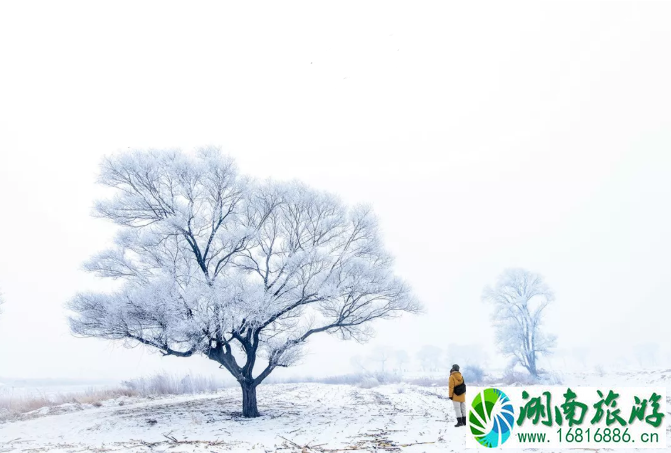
point(296, 418)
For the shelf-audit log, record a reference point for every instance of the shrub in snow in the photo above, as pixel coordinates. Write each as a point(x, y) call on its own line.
point(167, 384)
point(369, 382)
point(516, 378)
point(550, 378)
point(598, 369)
point(387, 378)
point(473, 374)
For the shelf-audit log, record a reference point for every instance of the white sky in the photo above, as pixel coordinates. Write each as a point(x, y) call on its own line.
point(485, 135)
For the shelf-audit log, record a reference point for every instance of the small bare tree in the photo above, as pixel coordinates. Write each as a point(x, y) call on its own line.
point(520, 298)
point(382, 355)
point(232, 269)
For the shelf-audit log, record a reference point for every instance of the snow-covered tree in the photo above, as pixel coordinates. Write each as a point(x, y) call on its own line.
point(239, 271)
point(520, 298)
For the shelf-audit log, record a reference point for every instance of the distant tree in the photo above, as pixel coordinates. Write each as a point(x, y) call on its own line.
point(402, 358)
point(429, 357)
point(465, 354)
point(520, 298)
point(235, 270)
point(359, 364)
point(382, 355)
point(646, 354)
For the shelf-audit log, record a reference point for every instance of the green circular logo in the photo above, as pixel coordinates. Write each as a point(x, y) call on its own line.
point(491, 417)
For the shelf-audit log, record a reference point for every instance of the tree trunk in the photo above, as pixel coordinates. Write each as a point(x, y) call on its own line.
point(249, 408)
point(532, 365)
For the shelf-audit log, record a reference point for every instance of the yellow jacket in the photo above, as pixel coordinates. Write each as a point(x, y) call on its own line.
point(456, 379)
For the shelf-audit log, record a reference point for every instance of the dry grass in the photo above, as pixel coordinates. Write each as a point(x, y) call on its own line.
point(170, 384)
point(11, 406)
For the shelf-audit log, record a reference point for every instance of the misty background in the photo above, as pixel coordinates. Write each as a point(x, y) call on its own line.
point(485, 136)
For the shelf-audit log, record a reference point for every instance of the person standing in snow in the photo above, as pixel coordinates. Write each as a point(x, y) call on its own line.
point(458, 395)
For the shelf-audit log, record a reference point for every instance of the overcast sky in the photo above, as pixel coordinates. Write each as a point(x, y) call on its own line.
point(485, 136)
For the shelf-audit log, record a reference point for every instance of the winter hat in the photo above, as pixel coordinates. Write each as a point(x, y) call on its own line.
point(455, 367)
